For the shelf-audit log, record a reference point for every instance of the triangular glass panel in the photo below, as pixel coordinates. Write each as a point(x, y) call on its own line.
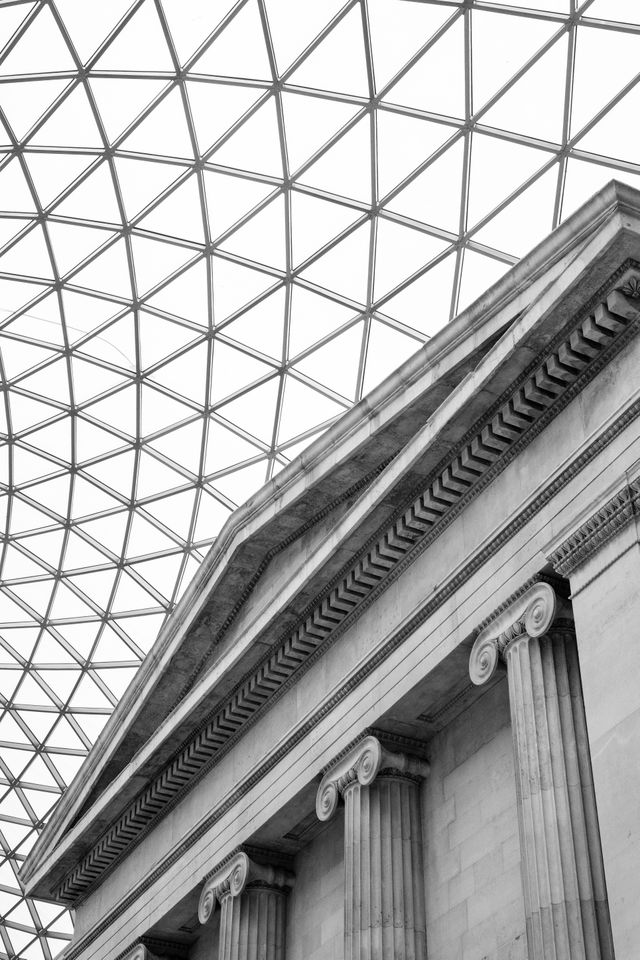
point(96, 586)
point(239, 50)
point(312, 318)
point(158, 338)
point(345, 267)
point(403, 143)
point(398, 30)
point(115, 344)
point(9, 227)
point(497, 168)
point(315, 222)
point(116, 472)
point(55, 439)
point(16, 294)
point(241, 484)
point(235, 285)
point(400, 251)
point(478, 274)
point(263, 238)
point(72, 243)
point(179, 215)
point(523, 110)
point(254, 412)
point(141, 181)
point(18, 356)
point(165, 131)
point(502, 45)
point(161, 573)
point(239, 151)
point(526, 220)
point(613, 136)
point(293, 26)
point(43, 44)
point(88, 32)
point(12, 17)
point(108, 532)
point(71, 125)
point(186, 375)
point(145, 538)
point(160, 411)
point(335, 364)
point(225, 448)
point(155, 260)
point(216, 106)
point(15, 192)
point(345, 168)
point(190, 27)
point(175, 511)
point(117, 411)
point(183, 445)
point(310, 122)
point(108, 273)
point(83, 313)
point(92, 441)
point(387, 349)
point(79, 553)
point(89, 379)
point(434, 196)
point(233, 370)
point(261, 327)
point(436, 82)
point(53, 172)
point(229, 198)
point(89, 499)
point(620, 53)
point(121, 99)
point(24, 102)
point(95, 195)
point(186, 296)
point(338, 63)
point(29, 256)
point(303, 408)
point(212, 515)
point(140, 45)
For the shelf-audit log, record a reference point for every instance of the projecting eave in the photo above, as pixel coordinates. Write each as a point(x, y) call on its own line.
point(450, 382)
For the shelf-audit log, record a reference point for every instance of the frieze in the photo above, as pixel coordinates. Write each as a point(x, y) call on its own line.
point(573, 361)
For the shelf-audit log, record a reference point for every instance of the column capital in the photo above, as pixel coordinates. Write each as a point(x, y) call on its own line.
point(361, 764)
point(233, 876)
point(140, 952)
point(528, 613)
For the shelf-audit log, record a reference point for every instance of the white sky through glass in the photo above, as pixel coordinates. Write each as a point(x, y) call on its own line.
point(220, 225)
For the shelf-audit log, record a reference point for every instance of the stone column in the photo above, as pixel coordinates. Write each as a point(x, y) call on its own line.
point(384, 879)
point(252, 900)
point(563, 877)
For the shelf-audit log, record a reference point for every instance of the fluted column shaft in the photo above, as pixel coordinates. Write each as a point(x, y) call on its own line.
point(252, 901)
point(252, 925)
point(563, 877)
point(384, 874)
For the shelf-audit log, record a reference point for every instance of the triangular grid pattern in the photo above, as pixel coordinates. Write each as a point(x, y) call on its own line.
point(221, 224)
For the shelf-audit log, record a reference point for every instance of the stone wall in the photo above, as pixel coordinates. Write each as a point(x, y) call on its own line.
point(315, 911)
point(472, 855)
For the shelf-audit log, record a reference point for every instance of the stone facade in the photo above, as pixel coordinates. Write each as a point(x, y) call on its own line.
point(396, 715)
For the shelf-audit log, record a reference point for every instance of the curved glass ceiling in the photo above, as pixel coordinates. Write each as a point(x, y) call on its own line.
point(220, 225)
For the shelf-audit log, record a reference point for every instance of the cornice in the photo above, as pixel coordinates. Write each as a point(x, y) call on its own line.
point(619, 511)
point(569, 363)
point(430, 607)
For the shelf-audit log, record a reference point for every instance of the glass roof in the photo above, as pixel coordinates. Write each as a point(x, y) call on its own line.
point(220, 225)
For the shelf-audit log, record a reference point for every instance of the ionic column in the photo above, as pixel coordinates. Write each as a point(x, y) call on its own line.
point(563, 878)
point(384, 880)
point(252, 900)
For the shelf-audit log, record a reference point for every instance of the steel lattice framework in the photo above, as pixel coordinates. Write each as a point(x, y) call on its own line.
point(220, 224)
